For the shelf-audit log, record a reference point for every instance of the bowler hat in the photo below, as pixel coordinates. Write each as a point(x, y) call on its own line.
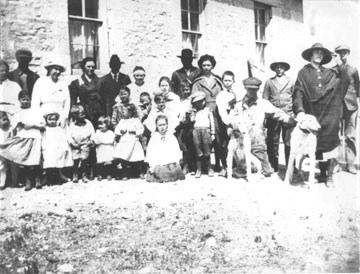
point(186, 53)
point(197, 96)
point(273, 64)
point(55, 61)
point(252, 82)
point(207, 57)
point(306, 54)
point(342, 47)
point(23, 53)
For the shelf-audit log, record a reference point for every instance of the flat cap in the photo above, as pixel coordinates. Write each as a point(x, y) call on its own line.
point(23, 53)
point(342, 47)
point(252, 82)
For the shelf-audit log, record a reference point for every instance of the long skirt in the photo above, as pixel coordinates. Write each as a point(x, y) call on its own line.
point(166, 173)
point(22, 151)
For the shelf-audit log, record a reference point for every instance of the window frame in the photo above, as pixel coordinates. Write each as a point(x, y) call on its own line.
point(188, 31)
point(96, 44)
point(259, 40)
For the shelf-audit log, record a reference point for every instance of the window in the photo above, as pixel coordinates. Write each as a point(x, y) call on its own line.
point(190, 24)
point(262, 18)
point(83, 29)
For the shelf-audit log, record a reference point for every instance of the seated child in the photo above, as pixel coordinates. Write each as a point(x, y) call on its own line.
point(103, 140)
point(203, 133)
point(24, 148)
point(80, 131)
point(128, 149)
point(56, 149)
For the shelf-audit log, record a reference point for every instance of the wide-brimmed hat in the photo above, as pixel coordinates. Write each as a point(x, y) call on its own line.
point(55, 61)
point(342, 47)
point(278, 62)
point(197, 96)
point(252, 82)
point(115, 59)
point(23, 53)
point(186, 53)
point(306, 54)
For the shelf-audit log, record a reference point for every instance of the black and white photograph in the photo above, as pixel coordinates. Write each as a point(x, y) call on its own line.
point(179, 136)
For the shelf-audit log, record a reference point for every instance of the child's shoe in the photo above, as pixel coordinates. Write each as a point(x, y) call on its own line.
point(109, 178)
point(28, 185)
point(210, 172)
point(198, 173)
point(185, 169)
point(142, 176)
point(84, 178)
point(222, 173)
point(99, 178)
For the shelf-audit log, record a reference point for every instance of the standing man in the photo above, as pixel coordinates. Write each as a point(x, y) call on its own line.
point(278, 90)
point(320, 92)
point(22, 74)
point(350, 108)
point(110, 83)
point(188, 73)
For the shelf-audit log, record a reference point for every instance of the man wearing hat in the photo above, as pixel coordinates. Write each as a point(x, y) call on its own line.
point(110, 83)
point(278, 90)
point(22, 74)
point(188, 73)
point(255, 109)
point(320, 92)
point(350, 107)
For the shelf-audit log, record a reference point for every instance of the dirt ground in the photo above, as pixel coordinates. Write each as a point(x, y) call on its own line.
point(207, 225)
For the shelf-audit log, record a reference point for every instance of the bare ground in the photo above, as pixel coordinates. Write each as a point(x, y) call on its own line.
point(211, 225)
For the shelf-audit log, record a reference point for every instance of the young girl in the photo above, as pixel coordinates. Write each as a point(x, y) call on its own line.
point(80, 131)
point(103, 140)
point(119, 109)
point(56, 150)
point(5, 134)
point(128, 149)
point(25, 147)
point(203, 133)
point(163, 154)
point(172, 99)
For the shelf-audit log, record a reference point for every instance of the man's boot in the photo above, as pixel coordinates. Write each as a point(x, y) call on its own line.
point(330, 170)
point(323, 166)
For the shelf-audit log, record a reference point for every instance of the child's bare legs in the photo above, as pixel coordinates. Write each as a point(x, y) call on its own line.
point(76, 170)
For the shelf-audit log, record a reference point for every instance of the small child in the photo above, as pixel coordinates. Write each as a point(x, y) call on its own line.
point(5, 134)
point(128, 149)
point(119, 109)
point(145, 108)
point(80, 130)
point(103, 140)
point(56, 149)
point(184, 130)
point(203, 133)
point(25, 147)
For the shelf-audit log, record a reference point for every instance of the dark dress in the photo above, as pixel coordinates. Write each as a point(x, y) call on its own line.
point(89, 96)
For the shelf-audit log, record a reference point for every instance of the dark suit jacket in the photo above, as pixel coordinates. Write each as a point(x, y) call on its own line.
point(353, 91)
point(180, 75)
point(31, 78)
point(109, 89)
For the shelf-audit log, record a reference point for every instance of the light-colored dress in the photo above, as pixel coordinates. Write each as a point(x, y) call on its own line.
point(129, 147)
point(25, 147)
point(51, 97)
point(9, 102)
point(4, 136)
point(81, 135)
point(104, 142)
point(163, 156)
point(55, 148)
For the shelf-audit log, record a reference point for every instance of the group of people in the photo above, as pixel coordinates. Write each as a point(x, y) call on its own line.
point(111, 127)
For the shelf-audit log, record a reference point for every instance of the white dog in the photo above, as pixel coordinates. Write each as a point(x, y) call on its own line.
point(240, 142)
point(303, 143)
